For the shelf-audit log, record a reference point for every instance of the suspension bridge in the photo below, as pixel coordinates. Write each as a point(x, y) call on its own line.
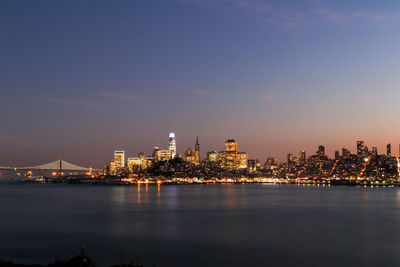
point(58, 165)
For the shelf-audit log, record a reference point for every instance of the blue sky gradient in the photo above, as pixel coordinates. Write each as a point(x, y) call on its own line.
point(80, 79)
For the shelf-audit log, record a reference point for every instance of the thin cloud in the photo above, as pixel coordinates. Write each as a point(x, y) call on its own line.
point(121, 96)
point(285, 15)
point(15, 141)
point(202, 92)
point(57, 99)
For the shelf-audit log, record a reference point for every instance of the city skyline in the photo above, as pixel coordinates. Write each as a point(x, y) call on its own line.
point(277, 77)
point(192, 153)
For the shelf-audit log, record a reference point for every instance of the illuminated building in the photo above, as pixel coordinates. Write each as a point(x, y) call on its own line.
point(189, 155)
point(142, 162)
point(302, 156)
point(172, 145)
point(156, 153)
point(141, 155)
point(231, 145)
point(321, 151)
point(112, 169)
point(242, 160)
point(360, 148)
point(119, 159)
point(271, 162)
point(289, 158)
point(229, 157)
point(165, 155)
point(252, 165)
point(388, 150)
point(161, 155)
point(133, 164)
point(212, 156)
point(197, 152)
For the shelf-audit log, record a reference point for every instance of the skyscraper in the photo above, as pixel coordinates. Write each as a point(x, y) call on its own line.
point(212, 156)
point(337, 155)
point(302, 156)
point(345, 152)
point(374, 151)
point(229, 157)
point(271, 161)
point(172, 145)
point(189, 155)
point(388, 150)
point(321, 151)
point(119, 159)
point(289, 158)
point(197, 152)
point(360, 148)
point(242, 160)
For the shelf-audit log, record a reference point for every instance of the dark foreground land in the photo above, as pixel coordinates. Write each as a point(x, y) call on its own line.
point(81, 260)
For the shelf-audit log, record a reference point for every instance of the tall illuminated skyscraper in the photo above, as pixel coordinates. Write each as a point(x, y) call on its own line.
point(197, 152)
point(172, 145)
point(229, 157)
point(119, 159)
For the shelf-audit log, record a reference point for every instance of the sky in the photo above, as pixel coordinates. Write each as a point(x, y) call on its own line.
point(80, 79)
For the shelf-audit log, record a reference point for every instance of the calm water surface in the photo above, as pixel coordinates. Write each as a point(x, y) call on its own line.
point(202, 225)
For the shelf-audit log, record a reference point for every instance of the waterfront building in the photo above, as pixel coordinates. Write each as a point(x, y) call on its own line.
point(119, 159)
point(242, 160)
point(172, 145)
point(197, 152)
point(212, 156)
point(133, 164)
point(252, 165)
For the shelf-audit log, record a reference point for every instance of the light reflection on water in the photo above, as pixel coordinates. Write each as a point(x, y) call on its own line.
point(202, 225)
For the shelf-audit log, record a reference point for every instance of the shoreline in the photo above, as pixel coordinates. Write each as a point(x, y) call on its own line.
point(189, 181)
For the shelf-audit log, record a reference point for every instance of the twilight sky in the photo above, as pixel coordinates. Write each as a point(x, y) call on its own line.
point(80, 79)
